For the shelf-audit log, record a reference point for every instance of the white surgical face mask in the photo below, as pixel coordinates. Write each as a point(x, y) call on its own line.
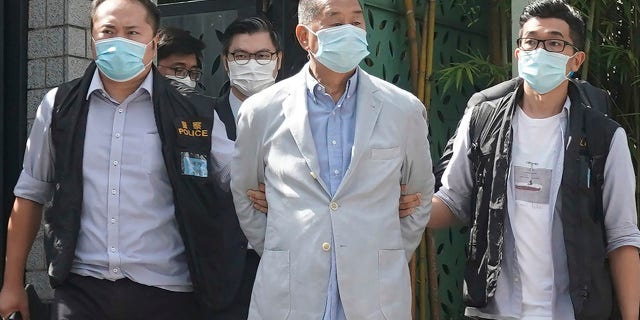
point(186, 81)
point(120, 59)
point(252, 77)
point(341, 48)
point(543, 70)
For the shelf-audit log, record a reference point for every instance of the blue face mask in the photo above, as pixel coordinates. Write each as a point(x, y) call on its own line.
point(543, 70)
point(120, 59)
point(341, 48)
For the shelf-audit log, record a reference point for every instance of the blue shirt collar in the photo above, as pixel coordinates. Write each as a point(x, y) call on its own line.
point(315, 88)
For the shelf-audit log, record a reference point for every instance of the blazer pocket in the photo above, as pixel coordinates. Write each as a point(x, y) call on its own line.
point(394, 284)
point(271, 297)
point(385, 153)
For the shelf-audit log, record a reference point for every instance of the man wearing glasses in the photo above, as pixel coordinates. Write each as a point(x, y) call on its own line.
point(252, 58)
point(180, 56)
point(547, 185)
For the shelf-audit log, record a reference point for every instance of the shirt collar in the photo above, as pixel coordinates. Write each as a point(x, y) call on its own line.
point(314, 88)
point(96, 85)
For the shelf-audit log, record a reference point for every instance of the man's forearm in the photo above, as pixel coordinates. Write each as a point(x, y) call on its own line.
point(23, 226)
point(441, 215)
point(625, 271)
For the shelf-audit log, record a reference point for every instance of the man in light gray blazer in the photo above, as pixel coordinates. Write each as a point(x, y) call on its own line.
point(332, 144)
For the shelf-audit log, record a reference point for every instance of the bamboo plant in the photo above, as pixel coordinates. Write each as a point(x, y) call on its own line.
point(424, 266)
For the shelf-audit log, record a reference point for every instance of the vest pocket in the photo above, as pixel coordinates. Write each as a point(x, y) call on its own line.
point(394, 287)
point(271, 297)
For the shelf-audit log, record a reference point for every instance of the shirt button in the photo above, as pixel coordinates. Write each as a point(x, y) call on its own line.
point(113, 191)
point(333, 206)
point(333, 142)
point(516, 280)
point(326, 246)
point(115, 270)
point(115, 162)
point(117, 134)
point(113, 220)
point(120, 110)
point(337, 172)
point(113, 249)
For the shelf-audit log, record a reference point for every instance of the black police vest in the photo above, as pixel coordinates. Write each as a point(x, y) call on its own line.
point(581, 213)
point(185, 131)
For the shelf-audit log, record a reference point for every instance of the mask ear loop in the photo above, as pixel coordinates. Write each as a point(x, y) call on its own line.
point(571, 73)
point(155, 55)
point(309, 53)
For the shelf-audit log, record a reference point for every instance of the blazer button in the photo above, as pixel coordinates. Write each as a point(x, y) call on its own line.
point(326, 246)
point(333, 206)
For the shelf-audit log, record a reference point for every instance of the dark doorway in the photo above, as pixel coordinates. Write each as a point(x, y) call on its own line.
point(284, 16)
point(13, 101)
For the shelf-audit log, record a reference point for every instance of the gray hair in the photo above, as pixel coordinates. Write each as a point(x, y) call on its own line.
point(308, 10)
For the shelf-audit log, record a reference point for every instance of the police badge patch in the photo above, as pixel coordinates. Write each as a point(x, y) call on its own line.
point(194, 164)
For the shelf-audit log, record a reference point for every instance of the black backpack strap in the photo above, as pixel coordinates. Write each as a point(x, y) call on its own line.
point(593, 97)
point(478, 119)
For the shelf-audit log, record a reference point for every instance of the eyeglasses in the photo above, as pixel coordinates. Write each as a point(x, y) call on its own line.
point(194, 74)
point(551, 45)
point(261, 57)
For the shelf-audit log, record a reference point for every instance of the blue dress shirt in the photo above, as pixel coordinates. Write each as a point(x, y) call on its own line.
point(332, 127)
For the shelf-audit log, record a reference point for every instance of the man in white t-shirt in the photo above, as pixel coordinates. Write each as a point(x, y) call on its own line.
point(552, 213)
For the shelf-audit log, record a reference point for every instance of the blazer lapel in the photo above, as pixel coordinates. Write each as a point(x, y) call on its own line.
point(368, 107)
point(297, 120)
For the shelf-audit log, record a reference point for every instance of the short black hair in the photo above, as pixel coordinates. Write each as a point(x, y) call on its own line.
point(173, 40)
point(153, 14)
point(558, 9)
point(248, 25)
